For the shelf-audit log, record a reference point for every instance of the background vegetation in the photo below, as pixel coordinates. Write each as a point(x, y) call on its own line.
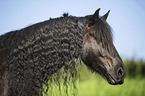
point(91, 84)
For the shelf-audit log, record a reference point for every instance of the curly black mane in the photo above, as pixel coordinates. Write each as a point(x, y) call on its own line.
point(40, 50)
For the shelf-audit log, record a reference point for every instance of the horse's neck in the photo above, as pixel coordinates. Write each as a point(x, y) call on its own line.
point(49, 47)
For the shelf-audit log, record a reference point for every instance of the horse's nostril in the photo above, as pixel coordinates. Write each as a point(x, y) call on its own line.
point(120, 72)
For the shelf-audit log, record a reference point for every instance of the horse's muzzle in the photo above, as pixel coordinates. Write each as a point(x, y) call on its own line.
point(116, 76)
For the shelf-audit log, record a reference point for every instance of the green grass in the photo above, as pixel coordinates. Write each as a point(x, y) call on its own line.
point(97, 86)
point(91, 84)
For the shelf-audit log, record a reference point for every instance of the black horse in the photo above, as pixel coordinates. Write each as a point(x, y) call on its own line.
point(29, 57)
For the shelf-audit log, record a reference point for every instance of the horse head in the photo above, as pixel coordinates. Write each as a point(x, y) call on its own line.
point(99, 52)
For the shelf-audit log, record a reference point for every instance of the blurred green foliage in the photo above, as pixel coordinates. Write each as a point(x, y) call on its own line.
point(135, 68)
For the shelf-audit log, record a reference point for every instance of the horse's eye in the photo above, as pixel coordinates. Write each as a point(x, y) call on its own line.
point(91, 34)
point(102, 53)
point(90, 24)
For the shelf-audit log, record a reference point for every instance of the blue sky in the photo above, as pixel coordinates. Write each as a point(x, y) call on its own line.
point(127, 18)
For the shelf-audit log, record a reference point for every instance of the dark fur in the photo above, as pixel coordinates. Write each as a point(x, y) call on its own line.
point(31, 55)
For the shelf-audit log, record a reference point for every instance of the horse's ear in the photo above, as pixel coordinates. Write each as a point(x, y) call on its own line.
point(106, 15)
point(96, 14)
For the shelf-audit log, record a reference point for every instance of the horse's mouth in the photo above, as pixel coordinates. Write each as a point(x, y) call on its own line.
point(113, 81)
